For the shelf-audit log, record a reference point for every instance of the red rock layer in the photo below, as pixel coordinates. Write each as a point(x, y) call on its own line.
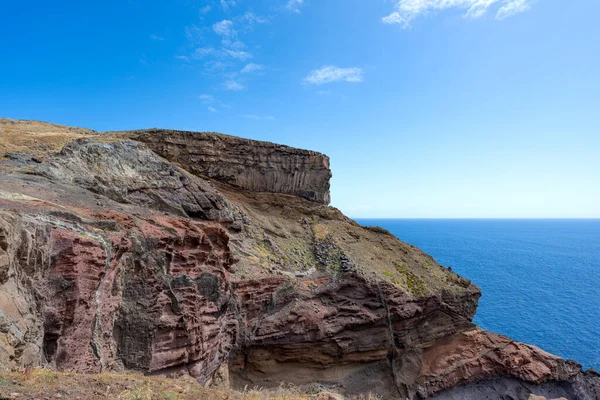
point(155, 297)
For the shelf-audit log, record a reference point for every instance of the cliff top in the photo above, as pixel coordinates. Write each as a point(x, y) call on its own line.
point(246, 163)
point(37, 137)
point(183, 135)
point(24, 135)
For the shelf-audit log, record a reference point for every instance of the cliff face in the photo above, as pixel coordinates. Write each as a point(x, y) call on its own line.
point(114, 259)
point(248, 164)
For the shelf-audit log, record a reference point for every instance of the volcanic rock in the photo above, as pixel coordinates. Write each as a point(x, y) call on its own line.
point(248, 164)
point(221, 262)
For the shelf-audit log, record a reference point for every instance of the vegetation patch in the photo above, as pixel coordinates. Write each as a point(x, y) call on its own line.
point(46, 384)
point(415, 285)
point(328, 254)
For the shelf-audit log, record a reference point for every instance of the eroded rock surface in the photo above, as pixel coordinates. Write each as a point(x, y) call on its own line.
point(112, 258)
point(248, 164)
point(128, 172)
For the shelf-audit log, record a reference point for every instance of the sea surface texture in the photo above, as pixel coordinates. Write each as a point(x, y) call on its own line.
point(540, 278)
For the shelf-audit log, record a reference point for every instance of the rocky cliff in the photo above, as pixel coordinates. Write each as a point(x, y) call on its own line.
point(247, 164)
point(153, 255)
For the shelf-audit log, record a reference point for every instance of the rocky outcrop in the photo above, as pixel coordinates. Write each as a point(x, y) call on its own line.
point(126, 283)
point(341, 330)
point(248, 164)
point(153, 296)
point(114, 259)
point(493, 365)
point(128, 172)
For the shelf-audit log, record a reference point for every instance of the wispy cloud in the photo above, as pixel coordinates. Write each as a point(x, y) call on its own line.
point(330, 73)
point(231, 47)
point(205, 10)
point(212, 109)
point(194, 33)
point(227, 4)
point(258, 117)
point(237, 54)
point(294, 5)
point(251, 18)
point(250, 68)
point(214, 66)
point(233, 85)
point(207, 98)
point(156, 38)
point(210, 101)
point(408, 10)
point(202, 52)
point(230, 58)
point(512, 8)
point(224, 28)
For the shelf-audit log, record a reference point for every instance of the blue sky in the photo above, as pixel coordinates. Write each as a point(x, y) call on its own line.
point(427, 108)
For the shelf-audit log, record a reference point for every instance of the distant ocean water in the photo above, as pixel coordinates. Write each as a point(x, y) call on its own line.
point(540, 278)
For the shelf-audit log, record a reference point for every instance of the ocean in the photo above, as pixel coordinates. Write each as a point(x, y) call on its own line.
point(540, 278)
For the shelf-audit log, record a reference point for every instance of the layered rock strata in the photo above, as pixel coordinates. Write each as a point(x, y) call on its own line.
point(248, 164)
point(113, 258)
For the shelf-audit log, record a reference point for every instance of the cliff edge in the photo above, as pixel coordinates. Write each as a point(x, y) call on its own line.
point(179, 253)
point(247, 164)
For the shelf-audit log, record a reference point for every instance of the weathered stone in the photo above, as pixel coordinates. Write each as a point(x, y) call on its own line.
point(112, 258)
point(248, 164)
point(128, 172)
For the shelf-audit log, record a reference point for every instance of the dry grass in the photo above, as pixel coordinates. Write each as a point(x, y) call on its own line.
point(36, 137)
point(39, 138)
point(46, 384)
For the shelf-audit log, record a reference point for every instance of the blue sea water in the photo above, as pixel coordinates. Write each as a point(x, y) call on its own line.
point(540, 278)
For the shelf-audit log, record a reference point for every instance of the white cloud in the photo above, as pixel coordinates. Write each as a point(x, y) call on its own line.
point(231, 52)
point(250, 68)
point(194, 33)
point(157, 38)
point(258, 117)
point(238, 55)
point(233, 85)
point(205, 10)
point(210, 101)
point(235, 44)
point(224, 28)
point(408, 10)
point(227, 4)
point(395, 18)
point(207, 98)
point(252, 18)
point(294, 5)
point(331, 73)
point(213, 66)
point(202, 52)
point(212, 109)
point(184, 58)
point(513, 7)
